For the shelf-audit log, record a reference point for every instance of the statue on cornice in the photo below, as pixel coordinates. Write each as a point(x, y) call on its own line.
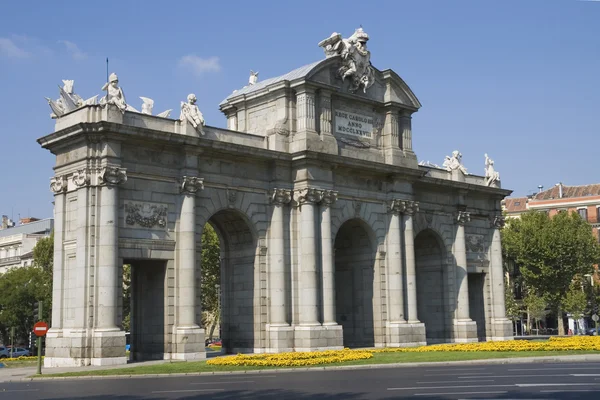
point(356, 59)
point(68, 100)
point(114, 94)
point(191, 113)
point(454, 163)
point(253, 78)
point(491, 175)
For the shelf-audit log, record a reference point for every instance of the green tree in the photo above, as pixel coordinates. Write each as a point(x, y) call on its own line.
point(211, 278)
point(575, 301)
point(536, 307)
point(126, 323)
point(43, 253)
point(551, 252)
point(20, 289)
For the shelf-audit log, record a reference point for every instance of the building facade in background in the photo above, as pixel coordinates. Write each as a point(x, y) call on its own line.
point(17, 241)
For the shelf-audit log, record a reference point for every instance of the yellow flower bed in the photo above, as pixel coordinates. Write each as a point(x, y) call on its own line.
point(554, 344)
point(296, 359)
point(30, 358)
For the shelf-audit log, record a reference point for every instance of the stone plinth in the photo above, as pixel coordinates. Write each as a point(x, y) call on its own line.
point(465, 331)
point(317, 338)
point(502, 329)
point(406, 335)
point(188, 344)
point(281, 339)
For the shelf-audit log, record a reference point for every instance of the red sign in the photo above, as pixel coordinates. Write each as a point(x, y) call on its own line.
point(40, 328)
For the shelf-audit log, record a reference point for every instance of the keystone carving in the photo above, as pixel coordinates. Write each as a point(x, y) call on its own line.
point(191, 184)
point(112, 176)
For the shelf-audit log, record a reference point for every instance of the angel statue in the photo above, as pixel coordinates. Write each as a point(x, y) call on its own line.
point(356, 59)
point(114, 94)
point(454, 163)
point(491, 175)
point(147, 105)
point(253, 78)
point(191, 113)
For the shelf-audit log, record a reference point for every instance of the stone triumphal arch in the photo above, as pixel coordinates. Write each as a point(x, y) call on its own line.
point(331, 233)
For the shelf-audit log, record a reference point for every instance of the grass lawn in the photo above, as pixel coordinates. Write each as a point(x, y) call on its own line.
point(378, 358)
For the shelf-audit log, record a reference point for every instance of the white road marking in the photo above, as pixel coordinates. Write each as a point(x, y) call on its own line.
point(570, 390)
point(515, 376)
point(555, 384)
point(461, 373)
point(219, 382)
point(453, 393)
point(449, 387)
point(550, 369)
point(584, 374)
point(253, 376)
point(489, 386)
point(453, 369)
point(187, 391)
point(478, 380)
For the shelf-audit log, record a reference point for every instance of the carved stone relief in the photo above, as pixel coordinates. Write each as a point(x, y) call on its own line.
point(475, 245)
point(146, 215)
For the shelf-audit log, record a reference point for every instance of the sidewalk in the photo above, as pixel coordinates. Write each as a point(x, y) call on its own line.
point(24, 374)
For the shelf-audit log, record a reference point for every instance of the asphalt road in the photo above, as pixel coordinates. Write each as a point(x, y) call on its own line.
point(508, 381)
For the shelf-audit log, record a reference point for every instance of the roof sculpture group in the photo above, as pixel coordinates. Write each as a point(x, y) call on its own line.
point(356, 66)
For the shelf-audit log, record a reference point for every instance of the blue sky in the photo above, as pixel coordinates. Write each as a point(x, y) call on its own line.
point(518, 79)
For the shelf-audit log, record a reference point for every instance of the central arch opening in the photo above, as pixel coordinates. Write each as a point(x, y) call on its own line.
point(236, 297)
point(354, 281)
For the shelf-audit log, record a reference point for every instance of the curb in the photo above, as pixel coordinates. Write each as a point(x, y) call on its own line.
point(493, 361)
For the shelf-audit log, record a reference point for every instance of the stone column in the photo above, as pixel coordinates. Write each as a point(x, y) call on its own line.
point(406, 124)
point(308, 285)
point(409, 247)
point(465, 328)
point(188, 341)
point(395, 279)
point(279, 306)
point(305, 111)
point(107, 284)
point(327, 261)
point(502, 326)
point(325, 119)
point(58, 185)
point(81, 180)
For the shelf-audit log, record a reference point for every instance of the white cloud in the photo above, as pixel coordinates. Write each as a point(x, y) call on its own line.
point(200, 65)
point(10, 49)
point(74, 50)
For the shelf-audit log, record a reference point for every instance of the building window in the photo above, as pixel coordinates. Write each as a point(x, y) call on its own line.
point(582, 213)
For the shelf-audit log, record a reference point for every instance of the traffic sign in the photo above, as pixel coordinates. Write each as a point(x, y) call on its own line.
point(595, 317)
point(40, 329)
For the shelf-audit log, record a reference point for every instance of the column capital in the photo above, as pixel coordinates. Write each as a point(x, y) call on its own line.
point(329, 197)
point(111, 175)
point(58, 184)
point(411, 208)
point(498, 221)
point(408, 207)
point(309, 195)
point(191, 184)
point(463, 217)
point(81, 177)
point(280, 197)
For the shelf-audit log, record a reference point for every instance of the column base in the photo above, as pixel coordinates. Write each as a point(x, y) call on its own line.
point(188, 344)
point(281, 338)
point(402, 334)
point(108, 347)
point(465, 331)
point(318, 338)
point(502, 329)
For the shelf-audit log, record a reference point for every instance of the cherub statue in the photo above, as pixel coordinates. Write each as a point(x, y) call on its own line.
point(114, 94)
point(454, 163)
point(491, 175)
point(253, 78)
point(191, 113)
point(356, 59)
